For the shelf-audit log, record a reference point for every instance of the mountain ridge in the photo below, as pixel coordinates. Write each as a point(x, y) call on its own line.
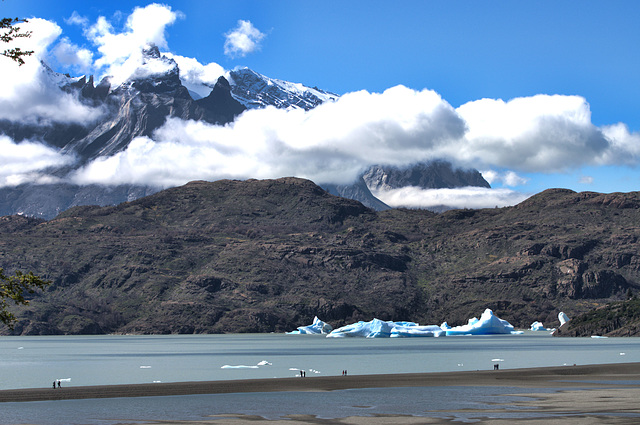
point(268, 255)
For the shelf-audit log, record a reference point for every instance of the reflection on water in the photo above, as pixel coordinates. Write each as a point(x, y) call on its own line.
point(441, 402)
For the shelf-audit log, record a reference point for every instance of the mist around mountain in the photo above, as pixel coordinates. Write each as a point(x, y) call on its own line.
point(269, 255)
point(138, 107)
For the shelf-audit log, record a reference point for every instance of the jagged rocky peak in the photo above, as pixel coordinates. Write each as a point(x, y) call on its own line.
point(255, 90)
point(426, 175)
point(220, 103)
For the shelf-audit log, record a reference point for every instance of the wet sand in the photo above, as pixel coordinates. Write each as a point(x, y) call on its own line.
point(588, 394)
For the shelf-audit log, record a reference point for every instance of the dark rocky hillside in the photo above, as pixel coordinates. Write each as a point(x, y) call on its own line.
point(262, 256)
point(620, 318)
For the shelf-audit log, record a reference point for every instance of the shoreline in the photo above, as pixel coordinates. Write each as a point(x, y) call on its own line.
point(558, 377)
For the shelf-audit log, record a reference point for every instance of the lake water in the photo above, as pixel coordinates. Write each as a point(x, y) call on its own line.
point(28, 362)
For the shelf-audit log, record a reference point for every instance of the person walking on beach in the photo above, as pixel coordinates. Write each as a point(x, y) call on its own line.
point(54, 385)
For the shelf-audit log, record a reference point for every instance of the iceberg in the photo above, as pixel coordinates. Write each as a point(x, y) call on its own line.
point(377, 328)
point(563, 318)
point(417, 331)
point(374, 329)
point(488, 324)
point(538, 326)
point(316, 328)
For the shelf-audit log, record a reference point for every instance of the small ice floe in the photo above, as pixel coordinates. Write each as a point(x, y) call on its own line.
point(318, 327)
point(241, 366)
point(497, 360)
point(460, 364)
point(20, 348)
point(265, 363)
point(64, 380)
point(156, 382)
point(294, 368)
point(622, 354)
point(538, 326)
point(598, 336)
point(145, 367)
point(314, 371)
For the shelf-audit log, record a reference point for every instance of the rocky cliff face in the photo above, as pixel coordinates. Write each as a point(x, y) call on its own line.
point(263, 256)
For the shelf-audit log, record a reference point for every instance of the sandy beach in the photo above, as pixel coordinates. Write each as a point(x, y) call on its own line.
point(586, 394)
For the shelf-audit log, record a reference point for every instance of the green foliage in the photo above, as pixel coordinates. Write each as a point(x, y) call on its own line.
point(13, 289)
point(9, 33)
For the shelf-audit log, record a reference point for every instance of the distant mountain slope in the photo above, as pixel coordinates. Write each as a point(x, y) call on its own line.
point(268, 255)
point(432, 175)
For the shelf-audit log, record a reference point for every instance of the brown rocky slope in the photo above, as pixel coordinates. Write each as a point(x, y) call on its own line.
point(268, 255)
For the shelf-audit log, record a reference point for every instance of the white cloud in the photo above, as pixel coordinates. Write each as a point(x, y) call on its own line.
point(30, 93)
point(77, 19)
point(25, 162)
point(508, 178)
point(624, 146)
point(586, 180)
point(121, 51)
point(197, 77)
point(70, 55)
point(464, 197)
point(332, 143)
point(242, 40)
point(534, 134)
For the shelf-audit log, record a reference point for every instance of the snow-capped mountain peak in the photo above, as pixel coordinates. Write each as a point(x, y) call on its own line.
point(255, 90)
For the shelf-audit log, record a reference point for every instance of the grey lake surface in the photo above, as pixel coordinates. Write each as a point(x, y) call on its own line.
point(30, 362)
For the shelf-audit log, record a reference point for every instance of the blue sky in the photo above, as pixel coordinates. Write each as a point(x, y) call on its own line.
point(464, 51)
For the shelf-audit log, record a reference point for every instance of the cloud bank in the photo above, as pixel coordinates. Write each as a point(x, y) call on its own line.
point(332, 143)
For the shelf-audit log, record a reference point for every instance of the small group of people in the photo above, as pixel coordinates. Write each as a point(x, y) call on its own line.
point(344, 373)
point(303, 374)
point(57, 381)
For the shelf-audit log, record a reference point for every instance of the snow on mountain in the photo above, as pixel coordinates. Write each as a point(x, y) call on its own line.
point(255, 90)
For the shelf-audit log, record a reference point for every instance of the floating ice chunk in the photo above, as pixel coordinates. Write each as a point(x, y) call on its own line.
point(265, 363)
point(238, 367)
point(445, 326)
point(598, 336)
point(316, 328)
point(563, 318)
point(417, 331)
point(538, 326)
point(145, 367)
point(497, 360)
point(488, 324)
point(376, 328)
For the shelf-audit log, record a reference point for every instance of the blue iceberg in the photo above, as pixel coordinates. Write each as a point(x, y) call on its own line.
point(488, 324)
point(318, 327)
point(417, 331)
point(377, 328)
point(538, 326)
point(374, 329)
